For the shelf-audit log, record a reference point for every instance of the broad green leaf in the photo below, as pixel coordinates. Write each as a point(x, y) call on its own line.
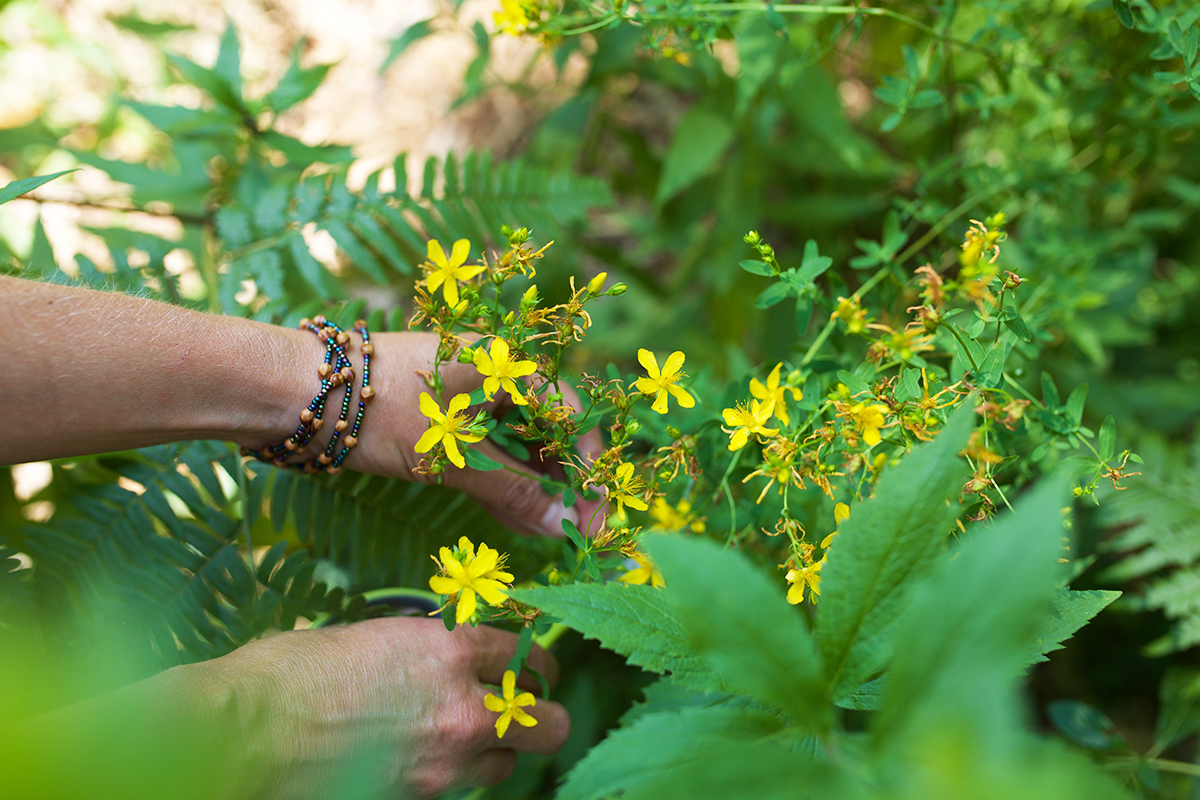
point(814, 264)
point(1124, 12)
point(1012, 318)
point(1108, 438)
point(1075, 401)
point(24, 185)
point(659, 749)
point(636, 621)
point(775, 293)
point(481, 461)
point(971, 625)
point(888, 541)
point(700, 139)
point(768, 654)
point(756, 267)
point(991, 371)
point(296, 85)
point(1086, 726)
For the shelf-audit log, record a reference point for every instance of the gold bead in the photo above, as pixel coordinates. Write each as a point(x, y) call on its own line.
point(304, 323)
point(341, 425)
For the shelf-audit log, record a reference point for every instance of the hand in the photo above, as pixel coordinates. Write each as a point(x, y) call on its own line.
point(398, 701)
point(394, 423)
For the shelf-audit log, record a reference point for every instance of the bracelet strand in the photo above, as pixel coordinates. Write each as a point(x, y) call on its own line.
point(335, 372)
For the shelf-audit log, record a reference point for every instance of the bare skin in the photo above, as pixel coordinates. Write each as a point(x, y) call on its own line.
point(96, 372)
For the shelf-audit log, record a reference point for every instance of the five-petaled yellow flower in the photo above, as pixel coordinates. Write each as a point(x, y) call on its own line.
point(869, 419)
point(777, 392)
point(626, 490)
point(481, 574)
point(449, 271)
point(509, 706)
point(448, 427)
point(674, 518)
point(745, 420)
point(646, 571)
point(807, 576)
point(661, 383)
point(499, 370)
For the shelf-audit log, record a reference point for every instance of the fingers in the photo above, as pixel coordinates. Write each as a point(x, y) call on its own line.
point(492, 649)
point(546, 737)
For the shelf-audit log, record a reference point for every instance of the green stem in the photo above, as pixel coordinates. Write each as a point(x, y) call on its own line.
point(832, 323)
point(966, 349)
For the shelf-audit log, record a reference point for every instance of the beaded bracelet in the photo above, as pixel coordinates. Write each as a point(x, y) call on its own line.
point(335, 372)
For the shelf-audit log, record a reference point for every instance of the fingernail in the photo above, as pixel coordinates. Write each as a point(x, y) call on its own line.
point(555, 514)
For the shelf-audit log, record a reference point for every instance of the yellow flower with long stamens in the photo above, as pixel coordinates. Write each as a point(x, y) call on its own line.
point(514, 17)
point(448, 272)
point(499, 371)
point(468, 574)
point(660, 383)
point(449, 428)
point(772, 390)
point(509, 707)
point(646, 571)
point(626, 490)
point(867, 417)
point(747, 419)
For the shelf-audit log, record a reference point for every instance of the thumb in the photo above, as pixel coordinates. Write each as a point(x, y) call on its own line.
point(515, 495)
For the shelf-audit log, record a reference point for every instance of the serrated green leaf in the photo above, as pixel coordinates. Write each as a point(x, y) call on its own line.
point(659, 750)
point(397, 46)
point(296, 85)
point(888, 541)
point(972, 623)
point(769, 656)
point(17, 188)
point(636, 621)
point(1071, 611)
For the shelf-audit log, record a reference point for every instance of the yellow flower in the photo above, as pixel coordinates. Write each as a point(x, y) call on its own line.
point(807, 576)
point(660, 383)
point(869, 419)
point(509, 707)
point(673, 518)
point(448, 272)
point(468, 574)
point(746, 420)
point(646, 571)
point(448, 427)
point(499, 370)
point(841, 512)
point(513, 17)
point(777, 392)
point(626, 490)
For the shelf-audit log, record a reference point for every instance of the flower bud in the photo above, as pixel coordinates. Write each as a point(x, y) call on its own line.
point(460, 307)
point(632, 427)
point(617, 290)
point(596, 284)
point(509, 317)
point(672, 431)
point(466, 356)
point(530, 298)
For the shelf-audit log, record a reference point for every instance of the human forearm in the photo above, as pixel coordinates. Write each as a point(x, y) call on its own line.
point(95, 371)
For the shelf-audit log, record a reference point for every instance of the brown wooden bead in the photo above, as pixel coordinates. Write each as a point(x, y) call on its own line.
point(368, 349)
point(323, 334)
point(336, 380)
point(307, 416)
point(343, 337)
point(317, 423)
point(311, 468)
point(367, 394)
point(320, 320)
point(341, 425)
point(304, 323)
point(290, 444)
point(360, 323)
point(325, 459)
point(347, 374)
point(350, 442)
point(325, 370)
point(334, 470)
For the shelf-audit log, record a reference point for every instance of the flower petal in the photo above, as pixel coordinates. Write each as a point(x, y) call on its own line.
point(681, 394)
point(443, 585)
point(509, 684)
point(458, 403)
point(522, 718)
point(462, 249)
point(429, 438)
point(648, 362)
point(660, 402)
point(491, 591)
point(646, 385)
point(670, 369)
point(494, 703)
point(436, 254)
point(466, 606)
point(430, 408)
point(502, 724)
point(456, 458)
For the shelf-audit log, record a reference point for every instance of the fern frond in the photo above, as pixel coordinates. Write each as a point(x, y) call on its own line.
point(1160, 549)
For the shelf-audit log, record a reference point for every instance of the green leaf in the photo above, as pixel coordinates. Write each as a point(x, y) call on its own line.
point(991, 371)
point(479, 461)
point(804, 310)
point(1075, 403)
point(573, 534)
point(1108, 438)
point(814, 264)
point(756, 267)
point(397, 46)
point(19, 187)
point(209, 81)
point(1071, 611)
point(1012, 319)
point(228, 67)
point(701, 137)
point(1050, 392)
point(769, 654)
point(854, 384)
point(758, 48)
point(1124, 12)
point(775, 293)
point(296, 85)
point(888, 541)
point(973, 622)
point(636, 621)
point(658, 753)
point(1086, 726)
